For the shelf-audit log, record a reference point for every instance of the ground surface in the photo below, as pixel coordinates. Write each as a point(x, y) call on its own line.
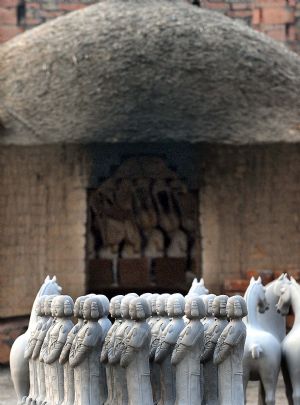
point(7, 395)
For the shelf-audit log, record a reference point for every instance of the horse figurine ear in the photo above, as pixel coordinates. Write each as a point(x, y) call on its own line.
point(293, 280)
point(282, 276)
point(195, 282)
point(201, 281)
point(47, 279)
point(259, 280)
point(54, 279)
point(252, 280)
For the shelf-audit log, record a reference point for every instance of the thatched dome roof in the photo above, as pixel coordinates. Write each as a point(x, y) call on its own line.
point(146, 70)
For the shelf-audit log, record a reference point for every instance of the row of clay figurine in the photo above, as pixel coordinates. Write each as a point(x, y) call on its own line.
point(161, 349)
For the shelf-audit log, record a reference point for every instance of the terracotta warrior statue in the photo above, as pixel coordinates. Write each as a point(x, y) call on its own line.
point(115, 312)
point(39, 351)
point(135, 356)
point(115, 352)
point(62, 310)
point(168, 339)
point(187, 353)
point(34, 364)
point(212, 334)
point(157, 324)
point(85, 355)
point(69, 389)
point(229, 352)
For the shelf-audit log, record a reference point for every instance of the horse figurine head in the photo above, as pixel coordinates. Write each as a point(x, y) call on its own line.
point(256, 295)
point(285, 297)
point(198, 287)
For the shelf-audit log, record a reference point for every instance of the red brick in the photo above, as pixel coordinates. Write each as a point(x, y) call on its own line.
point(9, 32)
point(277, 15)
point(239, 13)
point(239, 285)
point(277, 33)
point(217, 6)
point(7, 16)
point(256, 16)
point(241, 6)
point(170, 272)
point(266, 275)
point(71, 7)
point(9, 3)
point(134, 272)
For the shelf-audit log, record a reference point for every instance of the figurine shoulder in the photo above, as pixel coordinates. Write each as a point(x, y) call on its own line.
point(191, 333)
point(235, 332)
point(138, 335)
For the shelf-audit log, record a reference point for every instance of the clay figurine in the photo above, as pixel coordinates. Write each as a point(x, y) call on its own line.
point(209, 318)
point(229, 352)
point(168, 339)
point(211, 336)
point(187, 352)
point(62, 310)
point(115, 352)
point(115, 312)
point(85, 355)
point(135, 356)
point(34, 363)
point(157, 327)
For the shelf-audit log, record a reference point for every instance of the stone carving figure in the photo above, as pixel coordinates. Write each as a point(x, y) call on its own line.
point(135, 356)
point(105, 326)
point(62, 310)
point(212, 334)
point(168, 339)
point(187, 353)
point(85, 355)
point(115, 312)
point(115, 352)
point(34, 363)
point(40, 349)
point(69, 389)
point(160, 306)
point(229, 352)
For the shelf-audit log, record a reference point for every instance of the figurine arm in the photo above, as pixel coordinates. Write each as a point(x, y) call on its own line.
point(210, 341)
point(64, 356)
point(79, 351)
point(56, 347)
point(127, 356)
point(153, 346)
point(106, 347)
point(31, 344)
point(43, 346)
point(115, 352)
point(162, 351)
point(179, 352)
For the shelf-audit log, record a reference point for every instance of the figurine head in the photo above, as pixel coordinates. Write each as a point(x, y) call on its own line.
point(105, 303)
point(194, 307)
point(152, 301)
point(175, 305)
point(115, 306)
point(236, 307)
point(161, 304)
point(40, 305)
point(48, 303)
point(62, 306)
point(125, 305)
point(219, 306)
point(78, 306)
point(92, 308)
point(139, 309)
point(208, 300)
point(147, 297)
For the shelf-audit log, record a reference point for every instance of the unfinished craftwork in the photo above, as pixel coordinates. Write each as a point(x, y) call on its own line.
point(187, 353)
point(229, 352)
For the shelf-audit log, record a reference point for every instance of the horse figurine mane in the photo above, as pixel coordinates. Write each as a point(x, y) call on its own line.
point(19, 367)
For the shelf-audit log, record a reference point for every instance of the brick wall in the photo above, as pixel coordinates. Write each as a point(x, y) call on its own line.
point(279, 19)
point(249, 209)
point(42, 216)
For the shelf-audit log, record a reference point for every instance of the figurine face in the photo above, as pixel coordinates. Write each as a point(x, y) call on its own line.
point(230, 309)
point(57, 307)
point(115, 306)
point(39, 309)
point(92, 309)
point(105, 303)
point(77, 312)
point(175, 305)
point(219, 306)
point(187, 309)
point(153, 303)
point(47, 304)
point(125, 309)
point(132, 310)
